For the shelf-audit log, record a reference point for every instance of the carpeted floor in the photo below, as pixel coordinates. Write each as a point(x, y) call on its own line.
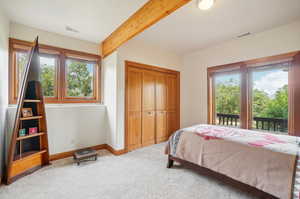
point(141, 174)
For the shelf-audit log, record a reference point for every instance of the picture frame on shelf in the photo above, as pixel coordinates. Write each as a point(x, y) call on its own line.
point(27, 112)
point(33, 130)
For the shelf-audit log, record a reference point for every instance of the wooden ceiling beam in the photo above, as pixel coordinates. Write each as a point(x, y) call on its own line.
point(149, 14)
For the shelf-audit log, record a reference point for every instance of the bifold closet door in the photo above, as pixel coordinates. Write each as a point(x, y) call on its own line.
point(134, 108)
point(172, 103)
point(152, 105)
point(161, 107)
point(148, 108)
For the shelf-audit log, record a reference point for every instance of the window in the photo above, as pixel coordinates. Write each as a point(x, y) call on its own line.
point(258, 94)
point(270, 97)
point(21, 60)
point(48, 75)
point(80, 78)
point(66, 76)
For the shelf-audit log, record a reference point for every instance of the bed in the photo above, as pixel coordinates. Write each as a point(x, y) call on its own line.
point(264, 164)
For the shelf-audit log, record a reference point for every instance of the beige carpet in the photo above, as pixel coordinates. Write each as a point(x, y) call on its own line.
point(141, 174)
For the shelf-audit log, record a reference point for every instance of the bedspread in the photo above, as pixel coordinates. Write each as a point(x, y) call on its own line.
point(266, 161)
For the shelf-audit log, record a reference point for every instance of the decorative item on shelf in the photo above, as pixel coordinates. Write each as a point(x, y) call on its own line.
point(27, 112)
point(32, 130)
point(22, 132)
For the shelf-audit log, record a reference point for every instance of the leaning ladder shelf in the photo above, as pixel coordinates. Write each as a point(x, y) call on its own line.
point(29, 152)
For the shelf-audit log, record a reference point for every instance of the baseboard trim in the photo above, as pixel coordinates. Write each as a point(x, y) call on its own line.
point(67, 154)
point(115, 152)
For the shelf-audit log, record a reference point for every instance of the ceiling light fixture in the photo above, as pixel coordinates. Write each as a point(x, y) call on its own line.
point(205, 4)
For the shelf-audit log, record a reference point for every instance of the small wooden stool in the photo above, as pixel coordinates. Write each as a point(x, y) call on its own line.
point(85, 155)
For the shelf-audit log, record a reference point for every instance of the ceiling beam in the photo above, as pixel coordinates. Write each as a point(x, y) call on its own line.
point(149, 14)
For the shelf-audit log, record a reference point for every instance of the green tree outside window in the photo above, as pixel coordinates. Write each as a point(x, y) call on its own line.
point(79, 78)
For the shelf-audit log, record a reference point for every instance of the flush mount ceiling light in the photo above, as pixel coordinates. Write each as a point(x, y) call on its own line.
point(205, 4)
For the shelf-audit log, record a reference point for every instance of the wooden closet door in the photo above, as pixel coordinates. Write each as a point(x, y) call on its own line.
point(148, 108)
point(161, 107)
point(172, 103)
point(134, 110)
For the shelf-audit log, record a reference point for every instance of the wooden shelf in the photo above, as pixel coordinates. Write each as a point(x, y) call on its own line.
point(28, 155)
point(31, 118)
point(29, 152)
point(30, 136)
point(32, 100)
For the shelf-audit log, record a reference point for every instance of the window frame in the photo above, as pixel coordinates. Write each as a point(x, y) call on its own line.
point(62, 55)
point(244, 68)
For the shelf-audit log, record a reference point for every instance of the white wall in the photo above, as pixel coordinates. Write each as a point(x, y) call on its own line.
point(109, 66)
point(194, 75)
point(70, 126)
point(19, 31)
point(4, 32)
point(137, 51)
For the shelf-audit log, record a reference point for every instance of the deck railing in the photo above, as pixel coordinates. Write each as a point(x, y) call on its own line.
point(262, 123)
point(228, 119)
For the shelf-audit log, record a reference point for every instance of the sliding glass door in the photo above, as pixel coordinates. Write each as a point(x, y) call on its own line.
point(269, 98)
point(227, 98)
point(259, 95)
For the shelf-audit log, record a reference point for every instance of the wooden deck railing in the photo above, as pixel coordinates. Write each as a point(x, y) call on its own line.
point(228, 119)
point(262, 123)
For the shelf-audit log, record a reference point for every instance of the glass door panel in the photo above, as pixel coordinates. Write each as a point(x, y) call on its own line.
point(270, 98)
point(227, 94)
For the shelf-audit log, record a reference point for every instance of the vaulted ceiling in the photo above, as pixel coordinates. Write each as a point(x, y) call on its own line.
point(185, 30)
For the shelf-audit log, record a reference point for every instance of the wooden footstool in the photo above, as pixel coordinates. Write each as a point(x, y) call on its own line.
point(85, 155)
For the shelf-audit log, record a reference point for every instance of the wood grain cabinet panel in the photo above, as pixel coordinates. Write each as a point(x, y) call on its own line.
point(161, 126)
point(161, 92)
point(134, 89)
point(172, 124)
point(135, 129)
point(148, 91)
point(148, 128)
point(171, 92)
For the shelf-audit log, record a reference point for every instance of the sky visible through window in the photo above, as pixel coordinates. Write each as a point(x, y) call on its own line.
point(268, 80)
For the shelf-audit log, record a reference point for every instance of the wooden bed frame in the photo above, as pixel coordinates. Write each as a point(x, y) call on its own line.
point(204, 171)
